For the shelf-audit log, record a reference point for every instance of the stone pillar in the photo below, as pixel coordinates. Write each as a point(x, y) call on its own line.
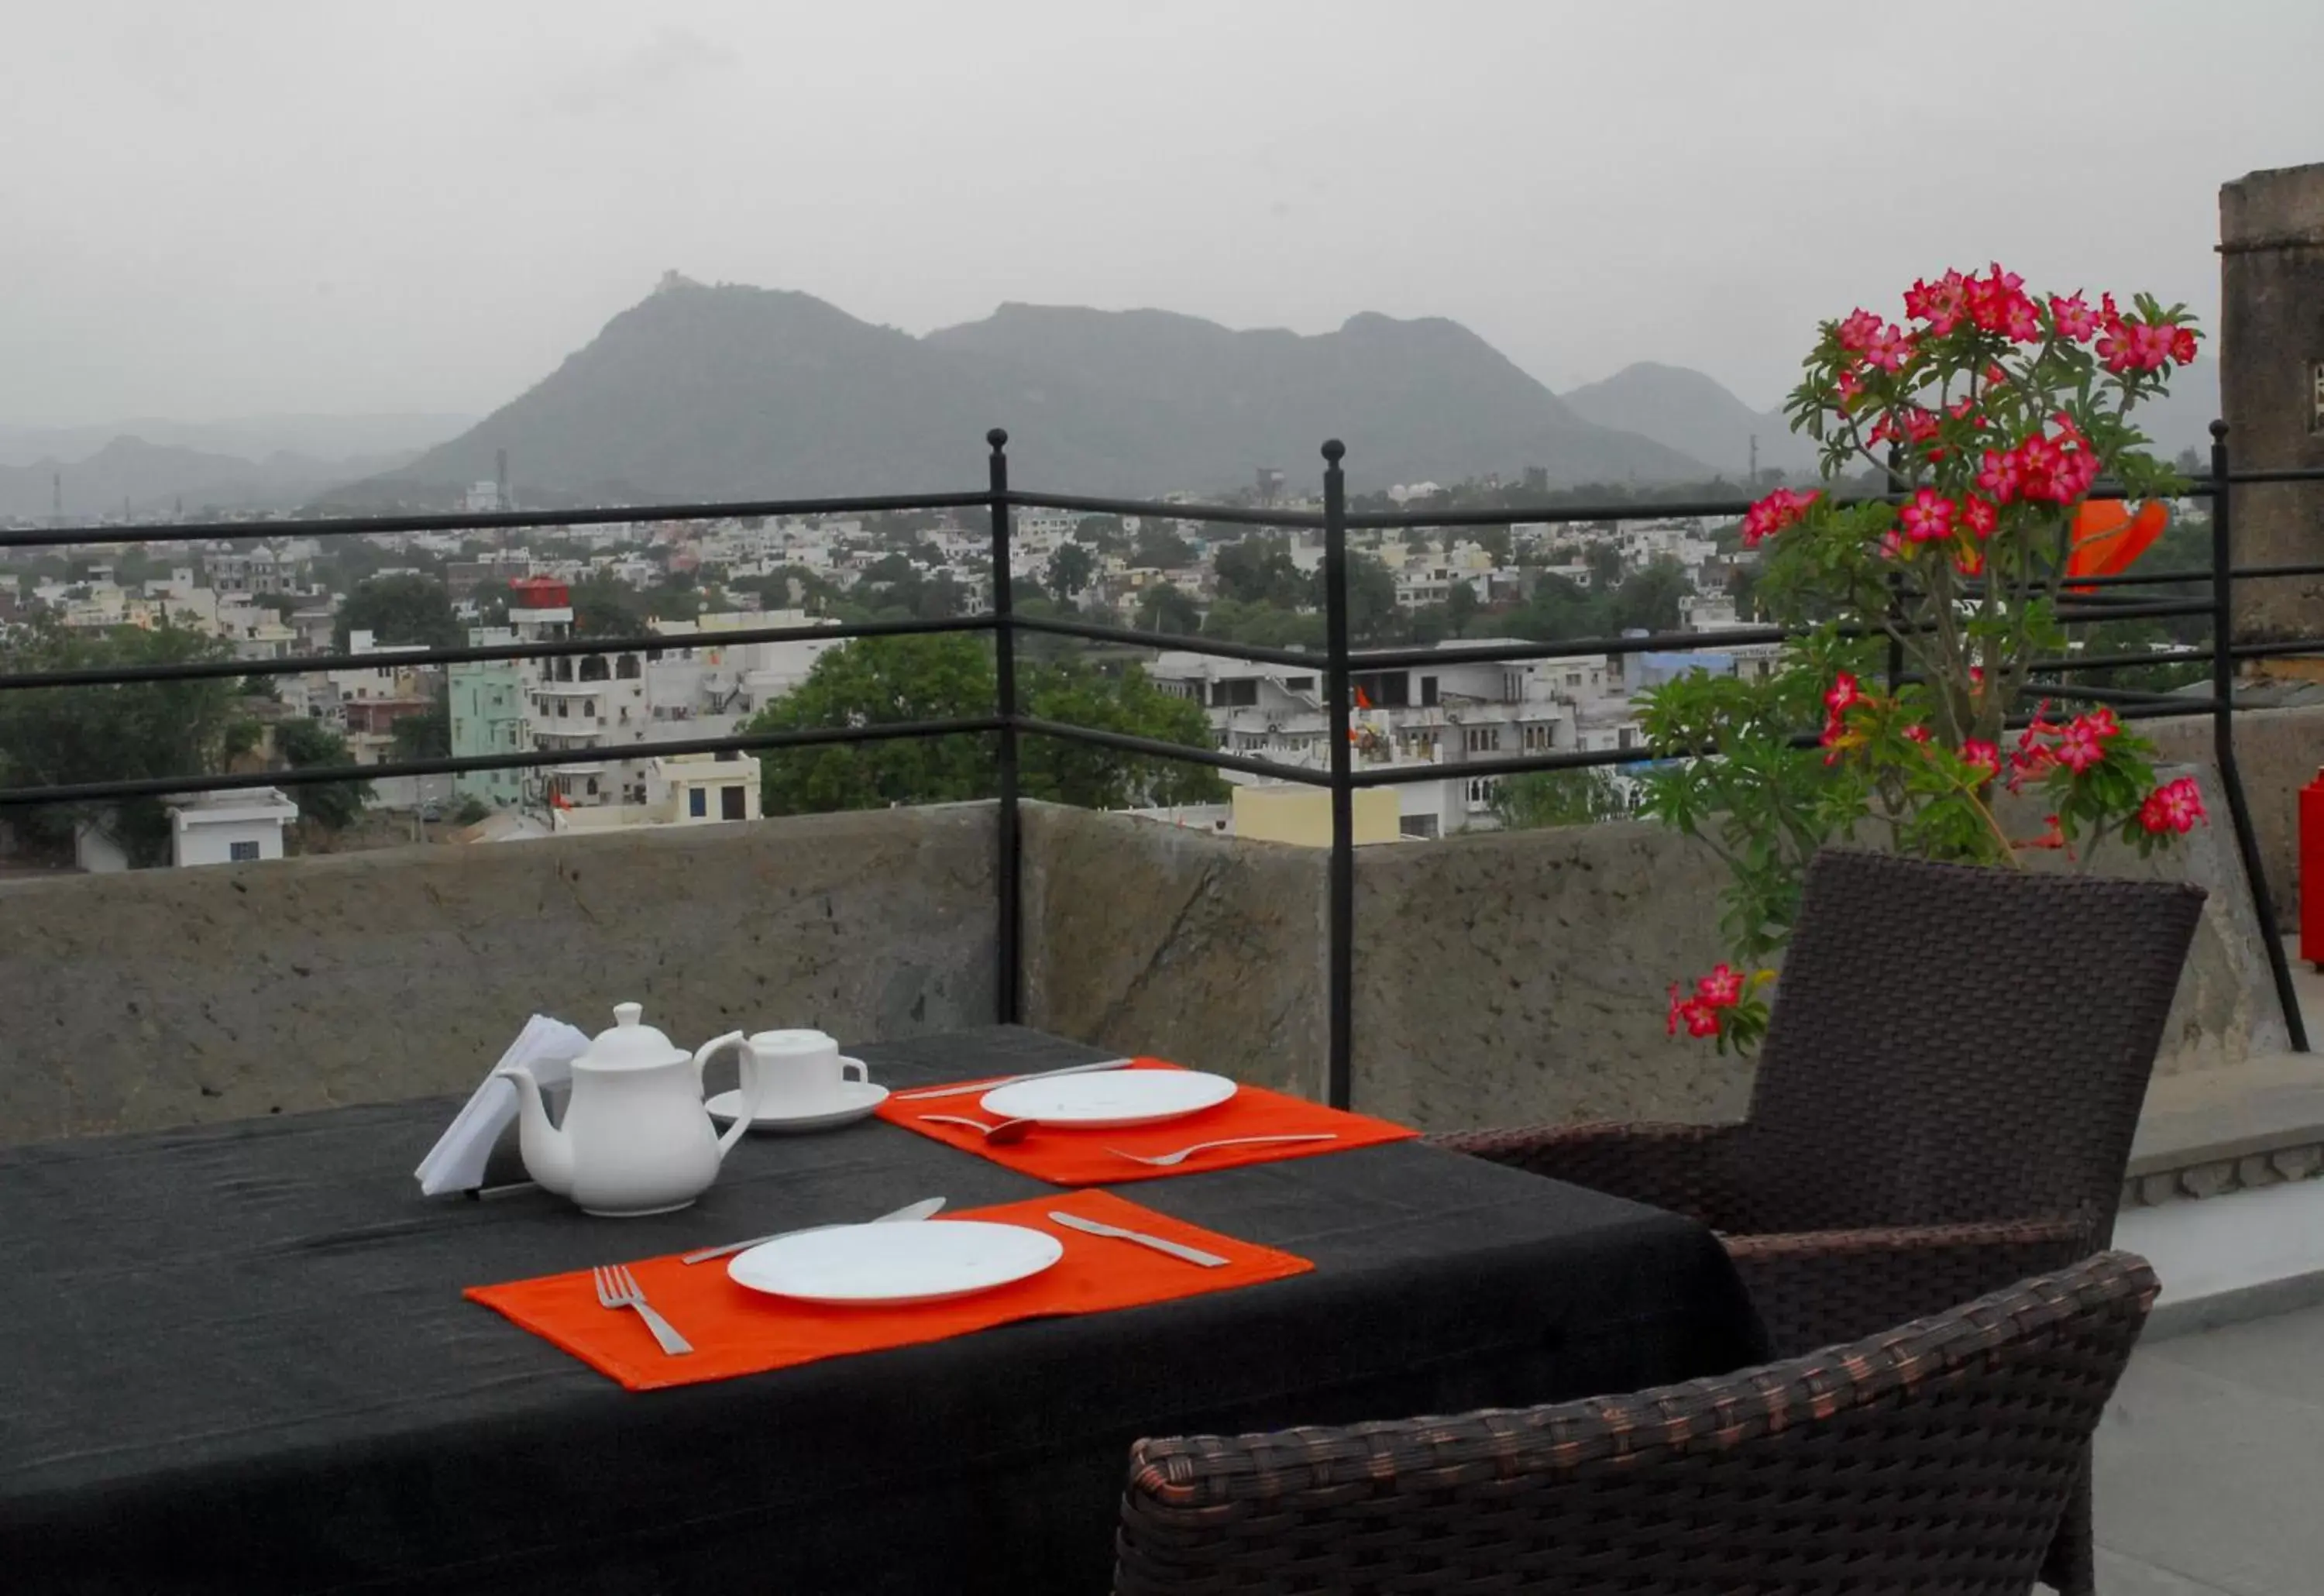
point(2272, 387)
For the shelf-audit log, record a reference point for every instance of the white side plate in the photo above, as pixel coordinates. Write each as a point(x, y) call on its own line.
point(853, 1101)
point(891, 1265)
point(1123, 1097)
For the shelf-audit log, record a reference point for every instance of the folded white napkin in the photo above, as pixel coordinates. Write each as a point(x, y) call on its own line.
point(546, 1047)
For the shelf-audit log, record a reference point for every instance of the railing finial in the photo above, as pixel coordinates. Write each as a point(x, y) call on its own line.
point(1334, 451)
point(998, 437)
point(2220, 431)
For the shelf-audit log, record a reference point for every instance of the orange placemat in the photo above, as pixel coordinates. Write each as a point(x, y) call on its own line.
point(735, 1331)
point(1082, 1157)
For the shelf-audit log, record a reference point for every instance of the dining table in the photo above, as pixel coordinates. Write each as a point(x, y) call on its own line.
point(237, 1359)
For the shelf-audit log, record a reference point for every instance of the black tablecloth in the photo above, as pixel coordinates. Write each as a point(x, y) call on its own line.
point(235, 1359)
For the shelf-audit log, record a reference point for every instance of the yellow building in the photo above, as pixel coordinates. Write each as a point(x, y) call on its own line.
point(1293, 812)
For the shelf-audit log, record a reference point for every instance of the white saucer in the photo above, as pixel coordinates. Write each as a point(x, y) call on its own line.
point(853, 1101)
point(888, 1265)
point(1109, 1099)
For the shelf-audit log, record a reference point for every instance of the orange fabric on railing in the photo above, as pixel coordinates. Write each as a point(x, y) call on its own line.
point(2107, 537)
point(1086, 1157)
point(737, 1330)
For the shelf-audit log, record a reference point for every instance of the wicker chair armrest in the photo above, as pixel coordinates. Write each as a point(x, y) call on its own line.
point(1690, 1169)
point(1814, 1289)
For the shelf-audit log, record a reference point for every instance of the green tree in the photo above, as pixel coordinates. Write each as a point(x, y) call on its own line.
point(1071, 569)
point(1559, 611)
point(1259, 571)
point(1101, 532)
point(1265, 626)
point(131, 731)
point(877, 681)
point(606, 606)
point(1372, 614)
point(308, 745)
point(398, 609)
point(1159, 548)
point(1090, 777)
point(1557, 798)
point(1163, 607)
point(426, 735)
point(1649, 599)
point(892, 680)
point(1495, 541)
point(1605, 562)
point(1461, 608)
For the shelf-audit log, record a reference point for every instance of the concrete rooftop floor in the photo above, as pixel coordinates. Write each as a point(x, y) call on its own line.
point(2210, 1464)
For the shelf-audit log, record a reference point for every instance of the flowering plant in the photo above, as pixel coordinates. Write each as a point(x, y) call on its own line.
point(1993, 414)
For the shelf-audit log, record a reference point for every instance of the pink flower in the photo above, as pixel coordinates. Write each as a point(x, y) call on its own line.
point(2000, 476)
point(2101, 720)
point(1979, 515)
point(2183, 345)
point(1920, 425)
point(1890, 349)
point(2080, 746)
point(2073, 318)
point(1890, 544)
point(1928, 517)
point(1701, 1018)
point(1842, 695)
point(1721, 989)
point(1938, 303)
point(1969, 562)
point(2174, 807)
point(1850, 383)
point(1981, 755)
point(1858, 331)
point(1916, 734)
point(1772, 514)
point(2020, 322)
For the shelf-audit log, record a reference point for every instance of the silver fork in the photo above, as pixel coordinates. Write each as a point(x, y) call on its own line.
point(618, 1288)
point(1172, 1160)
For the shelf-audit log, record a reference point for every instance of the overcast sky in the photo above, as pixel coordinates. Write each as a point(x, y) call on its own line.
point(216, 207)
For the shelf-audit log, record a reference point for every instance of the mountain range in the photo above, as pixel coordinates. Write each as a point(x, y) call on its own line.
point(157, 479)
point(734, 393)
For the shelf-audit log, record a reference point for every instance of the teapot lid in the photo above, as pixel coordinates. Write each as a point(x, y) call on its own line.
point(630, 1045)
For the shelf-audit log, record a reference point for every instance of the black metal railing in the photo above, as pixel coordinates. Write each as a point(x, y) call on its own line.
point(1338, 662)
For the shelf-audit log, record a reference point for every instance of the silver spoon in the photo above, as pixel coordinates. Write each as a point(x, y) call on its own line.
point(1000, 1134)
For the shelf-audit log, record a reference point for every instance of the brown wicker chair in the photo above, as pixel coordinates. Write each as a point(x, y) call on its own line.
point(1934, 1459)
point(1944, 1104)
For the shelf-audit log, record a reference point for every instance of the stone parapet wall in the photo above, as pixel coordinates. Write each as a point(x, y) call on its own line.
point(165, 997)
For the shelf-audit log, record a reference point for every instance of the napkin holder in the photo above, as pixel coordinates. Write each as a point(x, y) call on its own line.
point(478, 1153)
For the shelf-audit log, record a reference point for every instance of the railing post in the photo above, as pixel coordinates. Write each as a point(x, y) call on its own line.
point(2223, 735)
point(1008, 1003)
point(1339, 1079)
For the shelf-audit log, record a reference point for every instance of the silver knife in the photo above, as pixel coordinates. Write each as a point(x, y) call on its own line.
point(1042, 1074)
point(1074, 1221)
point(919, 1210)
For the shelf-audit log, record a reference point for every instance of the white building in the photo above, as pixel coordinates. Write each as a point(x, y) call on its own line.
point(1442, 716)
point(229, 827)
point(683, 789)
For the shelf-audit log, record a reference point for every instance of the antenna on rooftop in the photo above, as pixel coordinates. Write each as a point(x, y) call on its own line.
point(55, 498)
point(1754, 478)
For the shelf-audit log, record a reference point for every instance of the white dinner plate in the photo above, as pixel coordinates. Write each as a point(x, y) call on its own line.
point(889, 1265)
point(852, 1101)
point(1117, 1097)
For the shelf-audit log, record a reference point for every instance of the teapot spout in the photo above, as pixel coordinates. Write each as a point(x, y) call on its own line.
point(548, 1150)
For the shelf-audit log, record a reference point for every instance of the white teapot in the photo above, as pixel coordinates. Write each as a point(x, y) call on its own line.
point(636, 1139)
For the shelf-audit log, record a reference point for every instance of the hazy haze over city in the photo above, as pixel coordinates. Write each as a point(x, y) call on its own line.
point(236, 207)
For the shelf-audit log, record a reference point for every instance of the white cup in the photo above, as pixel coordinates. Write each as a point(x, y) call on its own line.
point(792, 1072)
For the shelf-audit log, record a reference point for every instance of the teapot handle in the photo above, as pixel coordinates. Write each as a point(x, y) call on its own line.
point(748, 1099)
